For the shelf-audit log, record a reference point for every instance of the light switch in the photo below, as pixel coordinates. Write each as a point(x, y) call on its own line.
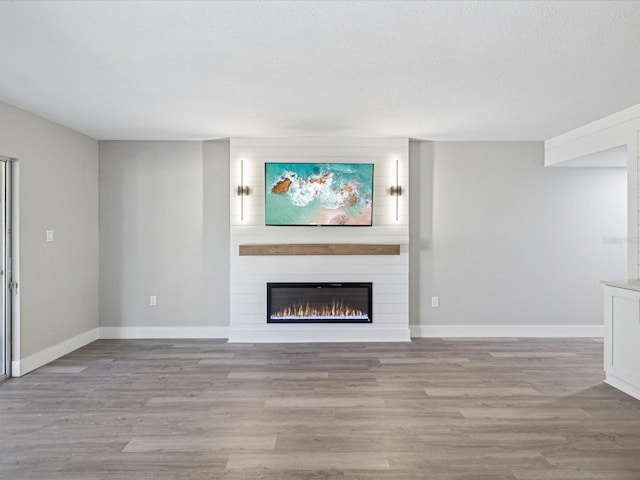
point(49, 235)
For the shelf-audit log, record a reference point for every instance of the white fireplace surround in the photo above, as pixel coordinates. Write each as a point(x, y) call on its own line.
point(388, 273)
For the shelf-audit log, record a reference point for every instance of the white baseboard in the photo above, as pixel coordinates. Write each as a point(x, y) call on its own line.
point(622, 385)
point(27, 364)
point(163, 332)
point(282, 335)
point(37, 360)
point(530, 331)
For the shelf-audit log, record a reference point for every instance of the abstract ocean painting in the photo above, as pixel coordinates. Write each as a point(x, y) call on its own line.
point(319, 194)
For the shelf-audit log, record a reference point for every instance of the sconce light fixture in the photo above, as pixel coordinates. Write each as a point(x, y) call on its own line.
point(396, 190)
point(243, 190)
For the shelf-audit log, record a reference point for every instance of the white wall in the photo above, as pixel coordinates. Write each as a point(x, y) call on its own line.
point(512, 242)
point(216, 233)
point(58, 190)
point(421, 228)
point(498, 237)
point(250, 274)
point(151, 234)
point(164, 232)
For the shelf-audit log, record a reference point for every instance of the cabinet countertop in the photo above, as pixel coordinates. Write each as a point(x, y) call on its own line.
point(626, 284)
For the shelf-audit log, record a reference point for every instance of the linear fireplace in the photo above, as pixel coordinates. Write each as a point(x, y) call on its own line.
point(319, 302)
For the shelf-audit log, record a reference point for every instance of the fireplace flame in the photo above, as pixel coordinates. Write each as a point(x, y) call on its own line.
point(336, 308)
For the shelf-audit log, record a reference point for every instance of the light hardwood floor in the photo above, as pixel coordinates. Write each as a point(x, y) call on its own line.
point(499, 409)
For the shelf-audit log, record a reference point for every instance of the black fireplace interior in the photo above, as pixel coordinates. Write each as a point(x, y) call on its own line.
point(319, 302)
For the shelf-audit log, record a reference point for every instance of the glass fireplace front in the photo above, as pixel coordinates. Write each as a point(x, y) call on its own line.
point(319, 302)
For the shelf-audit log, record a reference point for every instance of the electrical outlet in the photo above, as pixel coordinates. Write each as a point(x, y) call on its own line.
point(435, 302)
point(152, 300)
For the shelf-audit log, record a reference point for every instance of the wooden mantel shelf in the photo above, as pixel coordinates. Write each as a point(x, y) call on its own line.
point(320, 249)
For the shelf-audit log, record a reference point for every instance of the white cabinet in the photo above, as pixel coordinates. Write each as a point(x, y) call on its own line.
point(622, 339)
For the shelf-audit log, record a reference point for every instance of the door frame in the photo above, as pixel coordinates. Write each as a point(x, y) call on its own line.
point(9, 277)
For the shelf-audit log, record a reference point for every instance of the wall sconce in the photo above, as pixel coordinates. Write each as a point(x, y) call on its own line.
point(243, 190)
point(396, 190)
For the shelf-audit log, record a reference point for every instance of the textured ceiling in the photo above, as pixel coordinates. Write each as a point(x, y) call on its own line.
point(436, 70)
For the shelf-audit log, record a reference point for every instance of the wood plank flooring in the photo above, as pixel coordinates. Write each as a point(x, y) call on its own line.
point(490, 409)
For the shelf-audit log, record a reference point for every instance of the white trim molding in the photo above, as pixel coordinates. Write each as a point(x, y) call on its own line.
point(38, 359)
point(613, 131)
point(312, 335)
point(622, 385)
point(525, 331)
point(163, 332)
point(41, 358)
point(603, 134)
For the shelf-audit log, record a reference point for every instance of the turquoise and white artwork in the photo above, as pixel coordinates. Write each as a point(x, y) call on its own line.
point(318, 194)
